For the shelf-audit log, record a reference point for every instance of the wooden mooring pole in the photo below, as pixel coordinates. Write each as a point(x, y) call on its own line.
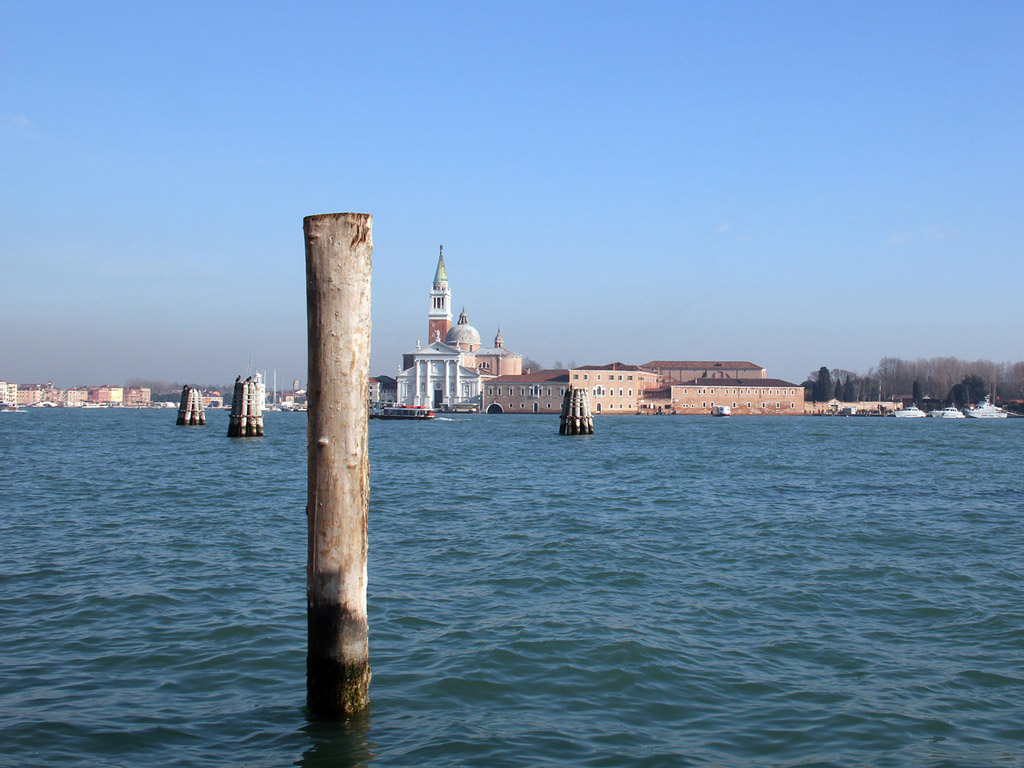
point(339, 248)
point(576, 418)
point(246, 409)
point(191, 411)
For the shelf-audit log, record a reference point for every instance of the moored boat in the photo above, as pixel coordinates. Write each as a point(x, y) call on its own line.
point(913, 412)
point(720, 410)
point(949, 412)
point(985, 410)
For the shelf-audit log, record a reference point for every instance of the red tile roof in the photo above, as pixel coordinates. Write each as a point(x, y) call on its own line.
point(611, 367)
point(710, 382)
point(537, 377)
point(673, 364)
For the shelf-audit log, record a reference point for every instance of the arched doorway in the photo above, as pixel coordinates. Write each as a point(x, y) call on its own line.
point(494, 408)
point(536, 407)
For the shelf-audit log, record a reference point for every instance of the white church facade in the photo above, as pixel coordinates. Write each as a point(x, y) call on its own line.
point(449, 372)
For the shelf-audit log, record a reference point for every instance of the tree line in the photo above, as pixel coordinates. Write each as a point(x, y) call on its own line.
point(949, 380)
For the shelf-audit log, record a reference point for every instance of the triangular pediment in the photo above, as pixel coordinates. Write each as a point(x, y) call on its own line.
point(438, 348)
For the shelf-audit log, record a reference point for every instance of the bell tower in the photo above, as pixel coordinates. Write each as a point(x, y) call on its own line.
point(440, 315)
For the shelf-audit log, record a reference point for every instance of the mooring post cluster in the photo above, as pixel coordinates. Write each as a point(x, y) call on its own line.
point(246, 409)
point(339, 247)
point(191, 412)
point(576, 418)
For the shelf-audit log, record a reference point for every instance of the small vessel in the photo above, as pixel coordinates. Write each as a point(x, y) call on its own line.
point(396, 411)
point(985, 410)
point(9, 408)
point(720, 410)
point(949, 412)
point(913, 412)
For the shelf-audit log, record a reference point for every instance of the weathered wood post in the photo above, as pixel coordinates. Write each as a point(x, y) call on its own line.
point(575, 418)
point(563, 418)
point(246, 408)
point(190, 411)
point(339, 248)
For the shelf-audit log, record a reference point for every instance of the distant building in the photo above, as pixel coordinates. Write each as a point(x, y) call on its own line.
point(8, 393)
point(106, 394)
point(212, 399)
point(138, 397)
point(743, 396)
point(615, 387)
point(539, 392)
point(383, 389)
point(75, 397)
point(449, 371)
point(672, 371)
point(437, 378)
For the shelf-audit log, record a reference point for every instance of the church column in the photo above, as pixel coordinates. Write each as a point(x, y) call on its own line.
point(429, 397)
point(458, 381)
point(416, 394)
point(448, 381)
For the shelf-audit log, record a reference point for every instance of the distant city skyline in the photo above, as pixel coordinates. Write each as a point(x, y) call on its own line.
point(797, 185)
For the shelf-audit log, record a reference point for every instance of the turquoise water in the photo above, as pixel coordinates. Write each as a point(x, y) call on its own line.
point(667, 592)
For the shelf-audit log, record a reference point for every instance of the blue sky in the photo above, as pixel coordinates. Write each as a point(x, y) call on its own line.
point(797, 184)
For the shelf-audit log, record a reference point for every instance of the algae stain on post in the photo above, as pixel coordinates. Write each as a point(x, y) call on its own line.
point(339, 248)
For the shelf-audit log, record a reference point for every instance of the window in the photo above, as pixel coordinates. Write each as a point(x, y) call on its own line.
point(620, 389)
point(630, 390)
point(584, 377)
point(575, 375)
point(629, 378)
point(522, 391)
point(599, 377)
point(490, 390)
point(561, 390)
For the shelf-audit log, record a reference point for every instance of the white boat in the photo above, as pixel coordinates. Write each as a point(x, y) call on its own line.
point(949, 412)
point(406, 412)
point(720, 410)
point(913, 412)
point(985, 410)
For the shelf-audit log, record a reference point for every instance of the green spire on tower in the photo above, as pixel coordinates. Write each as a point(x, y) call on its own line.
point(441, 276)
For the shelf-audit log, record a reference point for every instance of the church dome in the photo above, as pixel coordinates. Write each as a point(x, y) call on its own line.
point(463, 334)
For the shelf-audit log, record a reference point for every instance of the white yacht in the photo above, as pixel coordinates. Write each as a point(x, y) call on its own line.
point(721, 410)
point(949, 412)
point(912, 412)
point(985, 410)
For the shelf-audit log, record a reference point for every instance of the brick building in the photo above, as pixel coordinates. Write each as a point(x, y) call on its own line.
point(743, 396)
point(539, 392)
point(672, 371)
point(614, 388)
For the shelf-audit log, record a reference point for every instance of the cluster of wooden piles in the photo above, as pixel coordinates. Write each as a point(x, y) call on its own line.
point(191, 412)
point(576, 418)
point(246, 410)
